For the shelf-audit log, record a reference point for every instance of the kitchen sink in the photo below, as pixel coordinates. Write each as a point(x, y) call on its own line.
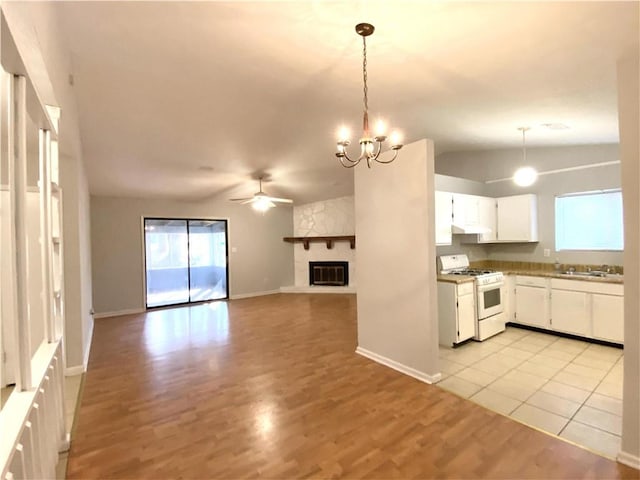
point(594, 273)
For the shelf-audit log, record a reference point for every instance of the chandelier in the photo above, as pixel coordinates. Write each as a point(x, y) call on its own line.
point(525, 176)
point(370, 147)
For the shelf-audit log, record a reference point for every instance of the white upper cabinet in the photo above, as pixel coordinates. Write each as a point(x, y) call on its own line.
point(487, 218)
point(517, 218)
point(469, 216)
point(444, 215)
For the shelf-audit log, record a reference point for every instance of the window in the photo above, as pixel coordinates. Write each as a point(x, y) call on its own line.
point(589, 221)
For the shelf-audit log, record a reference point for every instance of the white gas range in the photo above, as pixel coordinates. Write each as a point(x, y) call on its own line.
point(489, 294)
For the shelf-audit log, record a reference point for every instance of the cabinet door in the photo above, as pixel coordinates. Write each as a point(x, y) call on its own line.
point(569, 312)
point(465, 209)
point(487, 218)
point(517, 219)
point(466, 317)
point(444, 214)
point(608, 317)
point(532, 306)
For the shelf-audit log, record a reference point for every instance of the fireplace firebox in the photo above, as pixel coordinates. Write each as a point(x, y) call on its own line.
point(329, 273)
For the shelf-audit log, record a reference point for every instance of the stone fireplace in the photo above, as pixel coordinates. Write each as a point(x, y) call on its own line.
point(325, 218)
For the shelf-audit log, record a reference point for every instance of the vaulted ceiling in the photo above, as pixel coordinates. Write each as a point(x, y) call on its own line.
point(194, 99)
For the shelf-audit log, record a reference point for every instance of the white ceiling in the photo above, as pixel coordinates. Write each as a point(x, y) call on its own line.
point(189, 99)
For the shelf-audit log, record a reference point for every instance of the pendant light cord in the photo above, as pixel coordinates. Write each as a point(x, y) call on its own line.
point(524, 148)
point(364, 74)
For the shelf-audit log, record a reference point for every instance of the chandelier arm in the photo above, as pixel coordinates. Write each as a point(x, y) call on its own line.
point(343, 154)
point(351, 165)
point(392, 158)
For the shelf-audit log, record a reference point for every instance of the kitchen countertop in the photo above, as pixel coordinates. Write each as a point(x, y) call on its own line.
point(550, 274)
point(616, 279)
point(455, 278)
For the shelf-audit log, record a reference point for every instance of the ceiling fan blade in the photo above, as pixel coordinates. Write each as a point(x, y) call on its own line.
point(281, 200)
point(249, 199)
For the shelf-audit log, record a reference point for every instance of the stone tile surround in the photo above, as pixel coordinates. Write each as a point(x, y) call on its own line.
point(328, 217)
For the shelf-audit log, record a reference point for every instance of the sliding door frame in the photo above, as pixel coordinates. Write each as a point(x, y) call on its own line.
point(144, 258)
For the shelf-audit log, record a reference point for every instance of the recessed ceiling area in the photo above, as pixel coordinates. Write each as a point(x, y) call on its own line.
point(190, 100)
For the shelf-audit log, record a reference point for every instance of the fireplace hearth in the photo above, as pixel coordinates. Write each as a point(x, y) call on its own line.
point(329, 273)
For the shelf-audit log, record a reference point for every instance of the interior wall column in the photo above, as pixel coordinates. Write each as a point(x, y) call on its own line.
point(629, 125)
point(395, 255)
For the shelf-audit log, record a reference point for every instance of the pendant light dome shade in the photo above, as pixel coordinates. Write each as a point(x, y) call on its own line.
point(525, 176)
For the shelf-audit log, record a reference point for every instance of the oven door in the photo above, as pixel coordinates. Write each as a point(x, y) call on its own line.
point(489, 299)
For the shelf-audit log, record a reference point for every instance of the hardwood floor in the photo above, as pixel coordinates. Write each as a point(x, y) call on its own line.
point(271, 387)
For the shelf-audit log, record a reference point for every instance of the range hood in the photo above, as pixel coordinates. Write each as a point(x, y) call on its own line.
point(469, 229)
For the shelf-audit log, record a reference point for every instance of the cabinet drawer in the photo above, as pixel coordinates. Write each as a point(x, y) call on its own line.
point(531, 281)
point(588, 286)
point(466, 288)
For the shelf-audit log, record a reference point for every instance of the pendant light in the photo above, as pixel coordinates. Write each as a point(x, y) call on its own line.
point(525, 176)
point(370, 146)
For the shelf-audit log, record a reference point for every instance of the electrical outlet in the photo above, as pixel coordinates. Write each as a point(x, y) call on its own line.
point(547, 252)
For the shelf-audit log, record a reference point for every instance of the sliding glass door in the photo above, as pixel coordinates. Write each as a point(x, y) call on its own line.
point(186, 260)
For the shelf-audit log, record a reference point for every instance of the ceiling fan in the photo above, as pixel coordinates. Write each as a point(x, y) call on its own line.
point(261, 201)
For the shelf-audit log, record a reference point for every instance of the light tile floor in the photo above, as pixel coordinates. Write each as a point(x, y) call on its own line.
point(71, 395)
point(568, 388)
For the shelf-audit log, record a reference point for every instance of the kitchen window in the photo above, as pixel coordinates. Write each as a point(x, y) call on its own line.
point(590, 221)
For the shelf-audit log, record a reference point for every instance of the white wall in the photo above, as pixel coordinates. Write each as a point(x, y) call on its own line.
point(397, 304)
point(77, 261)
point(629, 124)
point(329, 217)
point(263, 262)
point(495, 164)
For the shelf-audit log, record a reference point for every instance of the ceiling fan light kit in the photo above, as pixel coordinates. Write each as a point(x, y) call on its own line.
point(370, 146)
point(261, 202)
point(525, 176)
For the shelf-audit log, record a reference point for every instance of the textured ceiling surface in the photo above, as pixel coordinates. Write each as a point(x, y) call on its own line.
point(194, 99)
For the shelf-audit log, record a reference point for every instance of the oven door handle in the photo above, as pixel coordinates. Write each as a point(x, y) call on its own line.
point(491, 286)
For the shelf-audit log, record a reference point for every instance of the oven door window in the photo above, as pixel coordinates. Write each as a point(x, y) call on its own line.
point(491, 298)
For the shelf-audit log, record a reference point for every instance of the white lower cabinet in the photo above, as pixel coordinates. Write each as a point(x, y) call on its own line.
point(569, 312)
point(584, 308)
point(532, 301)
point(456, 312)
point(608, 317)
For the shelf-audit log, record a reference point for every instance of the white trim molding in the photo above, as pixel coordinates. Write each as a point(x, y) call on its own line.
point(629, 460)
point(562, 170)
point(130, 311)
point(73, 371)
point(412, 372)
point(253, 294)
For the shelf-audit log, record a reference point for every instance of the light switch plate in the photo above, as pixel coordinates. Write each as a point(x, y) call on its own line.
point(547, 252)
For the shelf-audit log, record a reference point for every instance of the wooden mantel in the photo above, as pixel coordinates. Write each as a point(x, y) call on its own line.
point(328, 240)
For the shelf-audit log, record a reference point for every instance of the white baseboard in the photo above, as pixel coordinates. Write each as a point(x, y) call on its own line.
point(631, 460)
point(85, 360)
point(317, 289)
point(73, 371)
point(80, 369)
point(118, 313)
point(253, 294)
point(412, 372)
point(65, 445)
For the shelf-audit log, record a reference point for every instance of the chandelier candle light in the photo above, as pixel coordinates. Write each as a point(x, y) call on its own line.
point(370, 147)
point(525, 176)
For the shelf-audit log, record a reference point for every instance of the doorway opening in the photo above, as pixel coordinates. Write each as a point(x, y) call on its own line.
point(186, 261)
